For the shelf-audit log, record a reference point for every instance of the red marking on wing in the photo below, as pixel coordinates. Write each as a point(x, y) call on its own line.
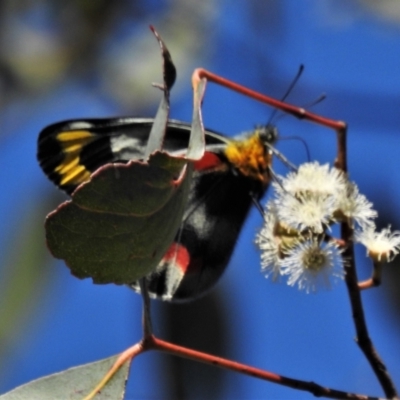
point(209, 160)
point(178, 255)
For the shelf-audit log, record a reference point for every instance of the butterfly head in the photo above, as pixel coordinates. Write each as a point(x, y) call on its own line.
point(268, 134)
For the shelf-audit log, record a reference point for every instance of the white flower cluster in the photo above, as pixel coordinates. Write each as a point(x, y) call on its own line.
point(293, 240)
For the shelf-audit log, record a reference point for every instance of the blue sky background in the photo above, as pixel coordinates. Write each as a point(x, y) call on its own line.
point(351, 52)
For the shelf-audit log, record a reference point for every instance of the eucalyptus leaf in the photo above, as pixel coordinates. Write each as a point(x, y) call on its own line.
point(118, 225)
point(75, 383)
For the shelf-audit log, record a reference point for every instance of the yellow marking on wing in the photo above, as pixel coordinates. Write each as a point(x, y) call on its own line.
point(250, 157)
point(74, 135)
point(72, 148)
point(70, 169)
point(68, 163)
point(78, 175)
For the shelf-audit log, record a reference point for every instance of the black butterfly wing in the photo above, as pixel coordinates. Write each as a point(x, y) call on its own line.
point(219, 200)
point(217, 208)
point(69, 151)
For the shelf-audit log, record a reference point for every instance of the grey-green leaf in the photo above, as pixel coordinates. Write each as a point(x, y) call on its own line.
point(75, 383)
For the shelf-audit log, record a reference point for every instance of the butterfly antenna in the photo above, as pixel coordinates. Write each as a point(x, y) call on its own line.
point(294, 82)
point(289, 89)
point(318, 100)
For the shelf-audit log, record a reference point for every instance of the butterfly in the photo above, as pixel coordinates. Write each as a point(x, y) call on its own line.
point(233, 174)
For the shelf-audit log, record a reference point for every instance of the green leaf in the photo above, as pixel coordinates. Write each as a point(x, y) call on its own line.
point(157, 132)
point(197, 140)
point(119, 224)
point(75, 383)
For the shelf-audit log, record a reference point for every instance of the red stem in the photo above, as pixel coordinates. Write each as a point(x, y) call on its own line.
point(298, 112)
point(153, 343)
point(340, 127)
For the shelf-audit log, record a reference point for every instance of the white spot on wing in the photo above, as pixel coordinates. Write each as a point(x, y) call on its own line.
point(80, 125)
point(126, 147)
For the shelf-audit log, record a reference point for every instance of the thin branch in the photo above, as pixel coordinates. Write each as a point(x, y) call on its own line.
point(154, 343)
point(375, 279)
point(298, 112)
point(368, 284)
point(150, 342)
point(340, 127)
point(363, 340)
point(147, 326)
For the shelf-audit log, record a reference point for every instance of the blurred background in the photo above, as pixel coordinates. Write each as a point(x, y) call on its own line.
point(80, 59)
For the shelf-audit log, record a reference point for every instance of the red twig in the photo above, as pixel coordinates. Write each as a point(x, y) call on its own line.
point(150, 342)
point(298, 112)
point(153, 343)
point(367, 284)
point(375, 279)
point(340, 127)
